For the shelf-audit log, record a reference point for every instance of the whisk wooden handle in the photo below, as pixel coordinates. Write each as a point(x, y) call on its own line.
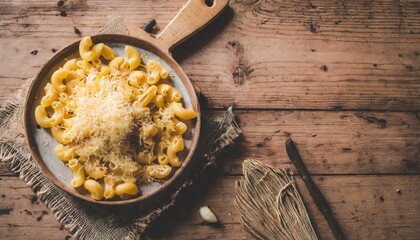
point(314, 190)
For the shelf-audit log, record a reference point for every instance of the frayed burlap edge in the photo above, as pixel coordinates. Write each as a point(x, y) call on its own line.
point(114, 25)
point(85, 220)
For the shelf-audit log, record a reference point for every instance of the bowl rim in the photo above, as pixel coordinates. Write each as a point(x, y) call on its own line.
point(114, 38)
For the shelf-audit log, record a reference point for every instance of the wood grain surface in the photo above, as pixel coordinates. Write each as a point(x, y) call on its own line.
point(341, 78)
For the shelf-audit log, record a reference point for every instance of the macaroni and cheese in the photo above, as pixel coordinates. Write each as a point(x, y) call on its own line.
point(118, 121)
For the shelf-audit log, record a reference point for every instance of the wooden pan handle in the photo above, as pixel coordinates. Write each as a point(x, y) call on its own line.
point(190, 19)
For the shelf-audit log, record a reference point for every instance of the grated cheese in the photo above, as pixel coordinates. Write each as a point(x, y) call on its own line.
point(102, 121)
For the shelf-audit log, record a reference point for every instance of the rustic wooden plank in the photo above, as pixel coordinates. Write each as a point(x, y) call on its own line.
point(367, 207)
point(259, 54)
point(329, 142)
point(23, 216)
point(33, 233)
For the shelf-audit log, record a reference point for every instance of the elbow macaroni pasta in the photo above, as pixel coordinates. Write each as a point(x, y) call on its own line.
point(51, 95)
point(64, 153)
point(58, 78)
point(96, 190)
point(118, 122)
point(134, 57)
point(176, 145)
point(157, 72)
point(182, 113)
point(78, 173)
point(126, 188)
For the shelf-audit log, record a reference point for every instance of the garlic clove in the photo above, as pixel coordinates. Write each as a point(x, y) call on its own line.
point(207, 215)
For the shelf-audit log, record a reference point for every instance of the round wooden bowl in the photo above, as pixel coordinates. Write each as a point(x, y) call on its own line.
point(41, 142)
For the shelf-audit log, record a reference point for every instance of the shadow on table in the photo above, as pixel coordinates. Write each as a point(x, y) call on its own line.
point(204, 36)
point(186, 208)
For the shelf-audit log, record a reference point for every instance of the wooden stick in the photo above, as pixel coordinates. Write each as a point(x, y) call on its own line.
point(314, 190)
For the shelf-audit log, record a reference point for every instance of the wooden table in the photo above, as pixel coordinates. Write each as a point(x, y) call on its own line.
point(342, 78)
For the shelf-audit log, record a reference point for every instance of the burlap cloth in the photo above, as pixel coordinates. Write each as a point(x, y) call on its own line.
point(93, 221)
